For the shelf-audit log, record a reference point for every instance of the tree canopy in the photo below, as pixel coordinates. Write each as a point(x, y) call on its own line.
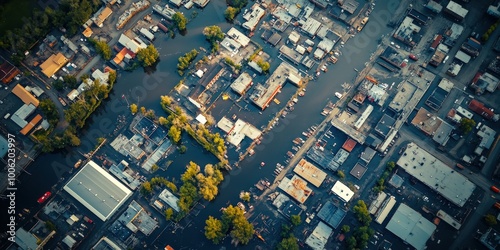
point(148, 56)
point(289, 243)
point(214, 230)
point(102, 48)
point(180, 20)
point(213, 34)
point(466, 125)
point(231, 13)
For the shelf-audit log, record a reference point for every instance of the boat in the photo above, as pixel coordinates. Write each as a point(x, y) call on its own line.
point(276, 171)
point(259, 186)
point(78, 163)
point(302, 93)
point(290, 154)
point(262, 164)
point(313, 128)
point(306, 134)
point(283, 114)
point(297, 141)
point(241, 206)
point(295, 148)
point(278, 164)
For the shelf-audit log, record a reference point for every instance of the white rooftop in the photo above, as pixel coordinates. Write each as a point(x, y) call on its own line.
point(457, 9)
point(342, 191)
point(411, 227)
point(241, 84)
point(169, 198)
point(319, 237)
point(436, 175)
point(97, 190)
point(239, 37)
point(461, 56)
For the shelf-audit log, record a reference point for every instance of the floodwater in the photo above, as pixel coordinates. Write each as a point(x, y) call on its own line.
point(145, 89)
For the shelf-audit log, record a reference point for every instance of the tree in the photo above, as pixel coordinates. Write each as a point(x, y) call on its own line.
point(180, 21)
point(213, 230)
point(70, 81)
point(213, 34)
point(340, 174)
point(133, 108)
point(182, 149)
point(490, 219)
point(148, 56)
point(346, 229)
point(466, 125)
point(174, 133)
point(264, 65)
point(242, 230)
point(231, 13)
point(245, 196)
point(168, 213)
point(362, 213)
point(296, 220)
point(146, 188)
point(289, 243)
point(102, 48)
point(154, 168)
point(143, 110)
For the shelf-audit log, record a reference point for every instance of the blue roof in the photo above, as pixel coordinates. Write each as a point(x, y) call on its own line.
point(331, 214)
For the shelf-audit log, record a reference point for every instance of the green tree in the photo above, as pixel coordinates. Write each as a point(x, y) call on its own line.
point(180, 21)
point(490, 219)
point(351, 242)
point(102, 48)
point(245, 196)
point(214, 230)
point(49, 109)
point(169, 213)
point(174, 133)
point(264, 65)
point(182, 149)
point(231, 13)
point(143, 110)
point(70, 81)
point(296, 220)
point(289, 243)
point(58, 85)
point(133, 108)
point(146, 188)
point(154, 168)
point(213, 34)
point(362, 213)
point(466, 125)
point(346, 229)
point(148, 56)
point(242, 230)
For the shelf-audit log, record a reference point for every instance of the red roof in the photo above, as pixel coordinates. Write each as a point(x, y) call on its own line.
point(479, 108)
point(437, 41)
point(8, 72)
point(349, 145)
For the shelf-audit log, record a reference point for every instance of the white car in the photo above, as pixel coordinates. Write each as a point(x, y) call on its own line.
point(338, 95)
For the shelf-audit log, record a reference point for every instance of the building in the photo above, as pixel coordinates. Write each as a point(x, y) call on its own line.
point(97, 190)
point(342, 191)
point(436, 175)
point(106, 244)
point(439, 94)
point(349, 145)
point(411, 227)
point(490, 239)
point(101, 16)
point(291, 54)
point(170, 199)
point(349, 6)
point(456, 11)
point(53, 64)
point(264, 94)
point(311, 26)
point(135, 218)
point(294, 37)
point(442, 133)
point(176, 3)
point(242, 83)
point(296, 187)
point(319, 236)
point(310, 173)
point(487, 136)
point(131, 44)
point(377, 203)
point(367, 155)
point(385, 209)
point(418, 17)
point(407, 32)
point(385, 126)
point(201, 3)
point(482, 110)
point(486, 82)
point(462, 57)
point(25, 96)
point(239, 37)
point(8, 72)
point(434, 6)
point(253, 17)
point(437, 58)
point(30, 125)
point(237, 131)
point(331, 214)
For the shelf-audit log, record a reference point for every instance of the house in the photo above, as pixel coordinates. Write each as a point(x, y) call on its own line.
point(53, 64)
point(8, 72)
point(101, 16)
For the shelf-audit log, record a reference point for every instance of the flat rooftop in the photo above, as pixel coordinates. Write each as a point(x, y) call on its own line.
point(296, 187)
point(385, 125)
point(403, 96)
point(136, 219)
point(411, 227)
point(238, 36)
point(349, 145)
point(97, 190)
point(291, 54)
point(310, 172)
point(342, 191)
point(331, 214)
point(242, 83)
point(264, 94)
point(358, 171)
point(169, 198)
point(436, 175)
point(426, 121)
point(319, 236)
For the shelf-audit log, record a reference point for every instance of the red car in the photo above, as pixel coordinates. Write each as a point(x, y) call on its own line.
point(413, 57)
point(44, 197)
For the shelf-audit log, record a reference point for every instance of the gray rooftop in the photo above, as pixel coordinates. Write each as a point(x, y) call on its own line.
point(385, 125)
point(97, 190)
point(319, 237)
point(411, 227)
point(442, 134)
point(331, 214)
point(436, 174)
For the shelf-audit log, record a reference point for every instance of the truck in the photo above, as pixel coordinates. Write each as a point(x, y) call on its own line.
point(460, 166)
point(147, 34)
point(495, 189)
point(162, 27)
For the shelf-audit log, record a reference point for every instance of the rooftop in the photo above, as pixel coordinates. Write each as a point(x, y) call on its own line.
point(97, 190)
point(291, 54)
point(239, 37)
point(169, 198)
point(24, 95)
point(296, 187)
point(311, 26)
point(242, 83)
point(310, 172)
point(238, 131)
point(426, 121)
point(457, 9)
point(403, 96)
point(342, 191)
point(319, 236)
point(411, 227)
point(358, 171)
point(331, 214)
point(349, 145)
point(385, 125)
point(53, 64)
point(368, 154)
point(436, 175)
point(253, 17)
point(349, 6)
point(407, 31)
point(106, 244)
point(136, 219)
point(442, 134)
